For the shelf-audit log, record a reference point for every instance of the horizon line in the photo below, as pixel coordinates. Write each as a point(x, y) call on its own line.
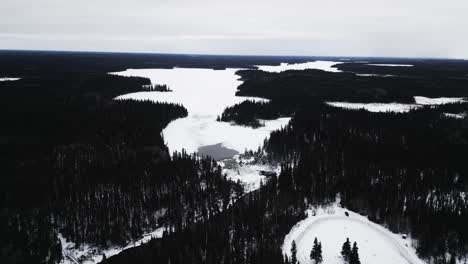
point(228, 55)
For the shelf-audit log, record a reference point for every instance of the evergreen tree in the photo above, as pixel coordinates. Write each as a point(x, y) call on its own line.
point(293, 252)
point(346, 250)
point(316, 253)
point(319, 253)
point(354, 257)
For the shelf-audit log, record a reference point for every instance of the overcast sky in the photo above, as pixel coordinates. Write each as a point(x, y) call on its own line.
point(415, 28)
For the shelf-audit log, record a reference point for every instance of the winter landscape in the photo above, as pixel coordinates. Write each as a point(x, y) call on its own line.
point(251, 132)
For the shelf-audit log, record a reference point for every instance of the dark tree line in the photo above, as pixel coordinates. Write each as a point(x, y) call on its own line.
point(249, 112)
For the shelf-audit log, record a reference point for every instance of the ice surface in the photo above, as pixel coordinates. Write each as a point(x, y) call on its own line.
point(374, 75)
point(330, 225)
point(205, 93)
point(376, 107)
point(319, 65)
point(391, 65)
point(438, 101)
point(6, 79)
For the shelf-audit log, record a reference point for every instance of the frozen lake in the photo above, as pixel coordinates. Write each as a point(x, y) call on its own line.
point(206, 93)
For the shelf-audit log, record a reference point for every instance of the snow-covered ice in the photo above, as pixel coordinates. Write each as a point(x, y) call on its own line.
point(376, 107)
point(205, 93)
point(421, 100)
point(374, 75)
point(7, 79)
point(391, 65)
point(331, 226)
point(398, 107)
point(318, 65)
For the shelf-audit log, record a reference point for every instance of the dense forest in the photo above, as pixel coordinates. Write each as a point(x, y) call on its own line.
point(96, 170)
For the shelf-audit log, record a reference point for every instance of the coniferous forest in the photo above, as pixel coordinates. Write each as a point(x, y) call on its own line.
point(78, 163)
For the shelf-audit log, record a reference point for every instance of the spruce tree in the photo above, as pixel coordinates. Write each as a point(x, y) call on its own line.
point(319, 253)
point(354, 257)
point(346, 250)
point(316, 252)
point(293, 252)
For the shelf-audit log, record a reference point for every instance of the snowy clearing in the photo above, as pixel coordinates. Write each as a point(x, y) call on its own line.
point(421, 100)
point(391, 65)
point(331, 226)
point(376, 107)
point(318, 65)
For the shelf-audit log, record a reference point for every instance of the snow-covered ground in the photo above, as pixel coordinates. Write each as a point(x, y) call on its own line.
point(7, 79)
point(319, 65)
point(376, 107)
point(391, 65)
point(86, 254)
point(456, 116)
point(331, 226)
point(399, 107)
point(247, 172)
point(421, 100)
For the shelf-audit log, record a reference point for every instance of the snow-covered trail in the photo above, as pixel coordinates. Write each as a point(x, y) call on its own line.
point(331, 226)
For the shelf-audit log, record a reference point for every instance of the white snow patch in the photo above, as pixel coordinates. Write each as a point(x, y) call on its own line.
point(456, 116)
point(87, 254)
point(421, 100)
point(392, 65)
point(319, 65)
point(330, 225)
point(7, 79)
point(205, 93)
point(376, 107)
point(374, 75)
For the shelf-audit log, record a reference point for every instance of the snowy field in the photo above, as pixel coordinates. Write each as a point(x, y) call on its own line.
point(331, 226)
